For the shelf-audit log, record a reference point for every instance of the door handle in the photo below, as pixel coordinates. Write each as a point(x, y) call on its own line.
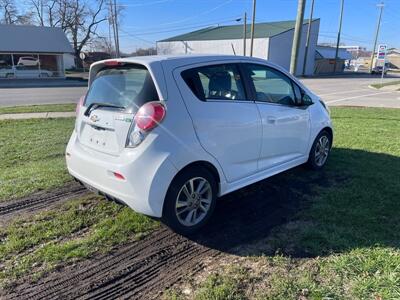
point(271, 120)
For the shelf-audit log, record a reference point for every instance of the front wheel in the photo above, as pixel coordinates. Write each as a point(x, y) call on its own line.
point(190, 200)
point(320, 150)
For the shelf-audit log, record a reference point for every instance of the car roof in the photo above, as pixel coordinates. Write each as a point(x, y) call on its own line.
point(184, 58)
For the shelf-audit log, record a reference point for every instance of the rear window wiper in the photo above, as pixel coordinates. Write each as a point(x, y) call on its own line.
point(95, 105)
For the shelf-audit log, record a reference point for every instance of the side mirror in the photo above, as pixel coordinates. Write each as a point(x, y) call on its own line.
point(299, 95)
point(305, 99)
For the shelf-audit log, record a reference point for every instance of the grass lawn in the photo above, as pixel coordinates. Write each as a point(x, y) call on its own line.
point(343, 244)
point(345, 241)
point(37, 108)
point(32, 155)
point(379, 85)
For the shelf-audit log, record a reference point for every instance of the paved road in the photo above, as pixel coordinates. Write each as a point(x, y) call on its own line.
point(353, 91)
point(347, 90)
point(47, 95)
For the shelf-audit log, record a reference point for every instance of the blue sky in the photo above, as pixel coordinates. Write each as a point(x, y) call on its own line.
point(145, 21)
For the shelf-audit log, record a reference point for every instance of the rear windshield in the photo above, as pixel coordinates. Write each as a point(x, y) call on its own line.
point(128, 86)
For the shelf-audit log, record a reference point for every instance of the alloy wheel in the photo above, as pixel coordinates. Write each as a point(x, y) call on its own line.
point(193, 201)
point(322, 150)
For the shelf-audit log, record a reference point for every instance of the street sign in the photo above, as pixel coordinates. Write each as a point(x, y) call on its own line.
point(382, 52)
point(82, 55)
point(381, 58)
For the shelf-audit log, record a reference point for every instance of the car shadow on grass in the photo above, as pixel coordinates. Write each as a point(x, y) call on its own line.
point(303, 213)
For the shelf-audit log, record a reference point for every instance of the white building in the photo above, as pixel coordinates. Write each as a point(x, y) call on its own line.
point(33, 51)
point(272, 41)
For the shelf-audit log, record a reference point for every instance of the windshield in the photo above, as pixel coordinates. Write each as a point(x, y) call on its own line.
point(128, 86)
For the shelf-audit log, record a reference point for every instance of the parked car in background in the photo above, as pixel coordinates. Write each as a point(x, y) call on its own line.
point(378, 70)
point(28, 61)
point(24, 72)
point(168, 135)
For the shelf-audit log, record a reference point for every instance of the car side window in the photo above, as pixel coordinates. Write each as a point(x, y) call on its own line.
point(216, 82)
point(271, 85)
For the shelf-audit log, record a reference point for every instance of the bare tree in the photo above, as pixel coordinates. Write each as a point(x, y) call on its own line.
point(11, 15)
point(144, 51)
point(82, 23)
point(79, 19)
point(102, 44)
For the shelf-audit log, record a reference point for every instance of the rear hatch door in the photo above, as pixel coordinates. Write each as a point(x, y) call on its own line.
point(115, 95)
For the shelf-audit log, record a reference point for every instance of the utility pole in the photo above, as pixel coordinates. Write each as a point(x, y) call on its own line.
point(297, 35)
point(338, 36)
point(112, 23)
point(252, 28)
point(308, 37)
point(244, 33)
point(116, 29)
point(381, 5)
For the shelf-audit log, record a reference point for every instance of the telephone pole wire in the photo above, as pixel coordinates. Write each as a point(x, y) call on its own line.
point(252, 28)
point(297, 35)
point(308, 37)
point(378, 26)
point(338, 37)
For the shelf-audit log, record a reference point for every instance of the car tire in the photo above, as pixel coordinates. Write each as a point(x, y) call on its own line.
point(190, 200)
point(320, 150)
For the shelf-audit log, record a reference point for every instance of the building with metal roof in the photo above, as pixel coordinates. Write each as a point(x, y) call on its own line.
point(272, 41)
point(32, 51)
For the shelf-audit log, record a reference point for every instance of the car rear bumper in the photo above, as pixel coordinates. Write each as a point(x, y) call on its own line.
point(146, 175)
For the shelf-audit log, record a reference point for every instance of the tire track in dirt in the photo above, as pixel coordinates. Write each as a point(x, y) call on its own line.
point(38, 201)
point(144, 269)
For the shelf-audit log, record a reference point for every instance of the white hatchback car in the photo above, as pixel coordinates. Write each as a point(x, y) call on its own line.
point(168, 135)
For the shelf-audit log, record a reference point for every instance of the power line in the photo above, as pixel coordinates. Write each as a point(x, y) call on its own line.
point(198, 15)
point(183, 28)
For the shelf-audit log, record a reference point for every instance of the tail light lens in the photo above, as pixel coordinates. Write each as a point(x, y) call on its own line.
point(80, 104)
point(147, 117)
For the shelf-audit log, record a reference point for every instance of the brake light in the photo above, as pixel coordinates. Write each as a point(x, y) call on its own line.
point(149, 115)
point(119, 176)
point(113, 63)
point(80, 104)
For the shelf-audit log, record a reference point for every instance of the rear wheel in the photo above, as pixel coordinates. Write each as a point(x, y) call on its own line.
point(320, 150)
point(190, 200)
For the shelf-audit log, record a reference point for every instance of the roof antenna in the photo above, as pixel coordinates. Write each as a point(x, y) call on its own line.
point(233, 49)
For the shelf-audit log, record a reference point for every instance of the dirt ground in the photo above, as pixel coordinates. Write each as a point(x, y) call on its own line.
point(144, 269)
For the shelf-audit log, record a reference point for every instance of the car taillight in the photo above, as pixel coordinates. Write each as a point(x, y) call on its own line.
point(80, 104)
point(149, 115)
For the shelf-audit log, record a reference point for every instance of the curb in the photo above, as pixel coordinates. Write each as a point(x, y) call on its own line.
point(38, 115)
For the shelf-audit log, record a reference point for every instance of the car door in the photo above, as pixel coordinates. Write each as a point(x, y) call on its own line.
point(285, 125)
point(226, 122)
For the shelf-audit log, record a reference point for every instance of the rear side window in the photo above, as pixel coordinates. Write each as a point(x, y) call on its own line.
point(128, 86)
point(217, 82)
